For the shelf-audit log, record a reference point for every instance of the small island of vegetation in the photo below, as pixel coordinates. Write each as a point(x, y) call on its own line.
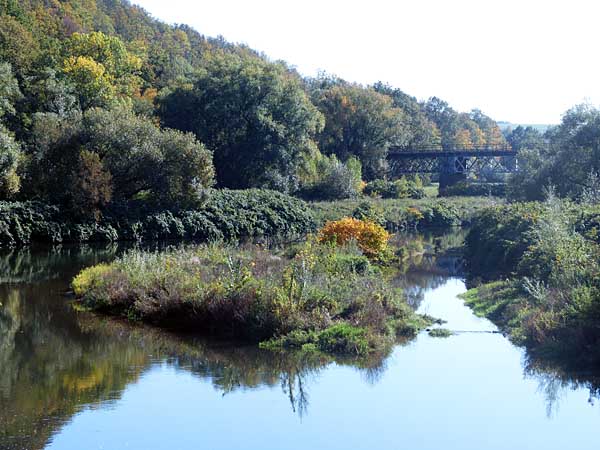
point(330, 294)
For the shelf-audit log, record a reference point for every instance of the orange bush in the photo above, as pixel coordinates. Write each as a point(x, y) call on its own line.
point(371, 238)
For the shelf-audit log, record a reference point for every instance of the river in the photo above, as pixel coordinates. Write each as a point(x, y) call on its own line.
point(72, 380)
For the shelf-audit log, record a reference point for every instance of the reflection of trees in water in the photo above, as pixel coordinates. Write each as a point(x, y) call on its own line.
point(432, 259)
point(555, 379)
point(38, 264)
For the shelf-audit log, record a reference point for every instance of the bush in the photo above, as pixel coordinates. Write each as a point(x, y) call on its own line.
point(370, 237)
point(499, 237)
point(334, 180)
point(369, 211)
point(401, 188)
point(468, 189)
point(344, 338)
point(85, 280)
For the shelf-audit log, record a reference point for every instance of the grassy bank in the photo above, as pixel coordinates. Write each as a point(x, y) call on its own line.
point(318, 297)
point(225, 216)
point(402, 214)
point(541, 262)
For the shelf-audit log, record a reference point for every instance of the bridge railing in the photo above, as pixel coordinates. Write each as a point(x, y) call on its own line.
point(469, 148)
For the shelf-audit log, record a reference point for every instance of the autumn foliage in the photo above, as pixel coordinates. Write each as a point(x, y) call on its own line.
point(370, 237)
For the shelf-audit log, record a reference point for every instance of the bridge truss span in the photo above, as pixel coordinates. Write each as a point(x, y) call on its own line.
point(454, 161)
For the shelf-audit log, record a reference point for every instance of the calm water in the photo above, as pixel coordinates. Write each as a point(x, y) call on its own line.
point(74, 381)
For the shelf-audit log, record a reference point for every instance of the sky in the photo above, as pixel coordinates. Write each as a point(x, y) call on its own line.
point(523, 61)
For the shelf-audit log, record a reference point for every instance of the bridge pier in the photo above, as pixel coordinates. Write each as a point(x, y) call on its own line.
point(449, 179)
point(452, 171)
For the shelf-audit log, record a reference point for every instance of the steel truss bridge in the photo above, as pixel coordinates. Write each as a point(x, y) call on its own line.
point(453, 162)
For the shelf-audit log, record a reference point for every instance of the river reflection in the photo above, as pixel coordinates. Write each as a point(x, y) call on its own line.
point(70, 378)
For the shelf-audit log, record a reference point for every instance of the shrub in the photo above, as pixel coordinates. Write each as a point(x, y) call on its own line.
point(344, 338)
point(551, 303)
point(334, 180)
point(369, 211)
point(370, 237)
point(401, 188)
point(440, 332)
point(469, 189)
point(89, 278)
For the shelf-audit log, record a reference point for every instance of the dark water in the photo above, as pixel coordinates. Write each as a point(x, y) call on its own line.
point(74, 381)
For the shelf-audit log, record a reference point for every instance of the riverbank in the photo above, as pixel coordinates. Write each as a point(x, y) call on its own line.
point(226, 215)
point(229, 216)
point(407, 214)
point(317, 296)
point(541, 264)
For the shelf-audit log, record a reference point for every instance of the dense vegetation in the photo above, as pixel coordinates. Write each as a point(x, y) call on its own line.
point(547, 256)
point(225, 216)
point(566, 157)
point(405, 214)
point(328, 296)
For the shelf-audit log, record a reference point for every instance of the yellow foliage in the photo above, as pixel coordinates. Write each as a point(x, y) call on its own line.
point(89, 278)
point(414, 214)
point(371, 238)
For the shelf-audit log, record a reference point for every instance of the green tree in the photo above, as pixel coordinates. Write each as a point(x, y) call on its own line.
point(17, 44)
point(359, 122)
point(522, 138)
point(10, 157)
point(10, 150)
point(422, 132)
point(134, 160)
point(92, 186)
point(571, 154)
point(254, 116)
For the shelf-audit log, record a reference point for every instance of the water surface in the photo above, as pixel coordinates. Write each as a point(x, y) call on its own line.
point(75, 381)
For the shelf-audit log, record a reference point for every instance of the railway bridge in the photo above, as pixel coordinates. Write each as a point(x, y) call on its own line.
point(452, 164)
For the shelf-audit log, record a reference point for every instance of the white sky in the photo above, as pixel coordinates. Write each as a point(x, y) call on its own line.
point(525, 61)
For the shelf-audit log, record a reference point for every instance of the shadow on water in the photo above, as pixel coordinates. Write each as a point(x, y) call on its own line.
point(55, 362)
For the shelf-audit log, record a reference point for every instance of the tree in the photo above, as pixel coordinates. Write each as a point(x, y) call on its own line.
point(10, 156)
point(94, 86)
point(122, 157)
point(493, 136)
point(572, 153)
point(422, 132)
point(10, 150)
point(17, 44)
point(359, 122)
point(100, 67)
point(525, 138)
point(254, 116)
point(92, 186)
point(462, 139)
point(9, 90)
